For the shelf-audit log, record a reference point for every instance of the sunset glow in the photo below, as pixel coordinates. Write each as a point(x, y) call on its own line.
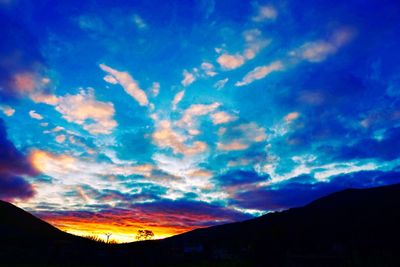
point(117, 116)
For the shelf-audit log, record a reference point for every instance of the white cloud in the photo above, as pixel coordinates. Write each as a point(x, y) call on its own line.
point(178, 98)
point(265, 13)
point(130, 86)
point(155, 89)
point(260, 72)
point(139, 22)
point(35, 115)
point(221, 83)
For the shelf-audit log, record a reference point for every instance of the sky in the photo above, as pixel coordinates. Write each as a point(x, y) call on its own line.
point(117, 116)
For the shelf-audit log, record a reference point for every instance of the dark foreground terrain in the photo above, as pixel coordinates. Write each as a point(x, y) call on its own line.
point(355, 227)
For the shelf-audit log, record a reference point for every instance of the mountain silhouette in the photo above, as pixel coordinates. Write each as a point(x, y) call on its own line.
point(354, 227)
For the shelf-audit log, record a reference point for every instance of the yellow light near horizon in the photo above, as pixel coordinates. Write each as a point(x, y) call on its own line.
point(119, 234)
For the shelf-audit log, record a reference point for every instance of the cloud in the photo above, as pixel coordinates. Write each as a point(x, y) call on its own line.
point(95, 116)
point(72, 170)
point(164, 217)
point(22, 68)
point(13, 166)
point(60, 138)
point(166, 137)
point(260, 73)
point(139, 22)
point(35, 115)
point(230, 62)
point(253, 44)
point(178, 98)
point(189, 117)
point(221, 83)
point(232, 146)
point(208, 69)
point(386, 147)
point(130, 86)
point(188, 78)
point(240, 137)
point(222, 117)
point(155, 89)
point(265, 13)
point(318, 51)
point(240, 177)
point(291, 116)
point(7, 110)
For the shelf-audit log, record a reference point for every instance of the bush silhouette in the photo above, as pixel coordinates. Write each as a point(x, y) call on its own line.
point(144, 235)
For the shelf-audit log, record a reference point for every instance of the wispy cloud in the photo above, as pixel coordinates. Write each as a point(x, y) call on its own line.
point(155, 89)
point(178, 98)
point(221, 83)
point(265, 13)
point(35, 115)
point(130, 85)
point(139, 22)
point(260, 73)
point(317, 51)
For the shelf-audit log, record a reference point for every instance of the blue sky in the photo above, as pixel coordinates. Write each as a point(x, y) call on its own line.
point(185, 114)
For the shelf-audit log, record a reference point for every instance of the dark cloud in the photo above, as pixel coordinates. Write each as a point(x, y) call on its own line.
point(304, 189)
point(386, 147)
point(14, 187)
point(13, 165)
point(239, 177)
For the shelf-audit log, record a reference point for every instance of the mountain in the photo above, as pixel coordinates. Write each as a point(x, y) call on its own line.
point(25, 238)
point(354, 227)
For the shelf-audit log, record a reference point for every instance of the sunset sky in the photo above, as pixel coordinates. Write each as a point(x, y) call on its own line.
point(172, 115)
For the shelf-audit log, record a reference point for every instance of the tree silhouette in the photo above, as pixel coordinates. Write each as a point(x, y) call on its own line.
point(144, 235)
point(108, 236)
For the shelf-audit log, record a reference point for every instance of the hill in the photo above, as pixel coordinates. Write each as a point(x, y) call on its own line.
point(355, 227)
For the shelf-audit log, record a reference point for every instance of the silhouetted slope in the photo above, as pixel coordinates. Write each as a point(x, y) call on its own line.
point(355, 225)
point(17, 223)
point(27, 239)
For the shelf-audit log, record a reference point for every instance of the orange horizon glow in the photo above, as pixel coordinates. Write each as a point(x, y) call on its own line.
point(120, 234)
